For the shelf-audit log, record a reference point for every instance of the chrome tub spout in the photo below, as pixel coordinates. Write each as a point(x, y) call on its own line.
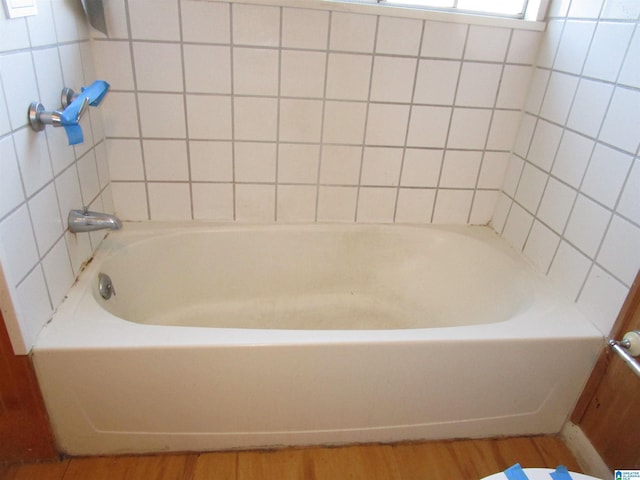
point(86, 221)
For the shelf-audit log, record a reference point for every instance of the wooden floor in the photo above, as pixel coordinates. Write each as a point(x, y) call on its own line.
point(446, 460)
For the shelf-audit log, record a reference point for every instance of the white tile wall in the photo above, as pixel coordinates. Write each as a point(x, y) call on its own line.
point(42, 177)
point(337, 99)
point(576, 209)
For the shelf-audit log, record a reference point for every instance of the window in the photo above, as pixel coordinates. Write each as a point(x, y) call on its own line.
point(522, 9)
point(508, 8)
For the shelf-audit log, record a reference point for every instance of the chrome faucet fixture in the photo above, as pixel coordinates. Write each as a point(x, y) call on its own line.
point(86, 221)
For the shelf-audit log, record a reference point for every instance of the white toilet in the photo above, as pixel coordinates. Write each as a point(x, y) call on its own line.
point(539, 474)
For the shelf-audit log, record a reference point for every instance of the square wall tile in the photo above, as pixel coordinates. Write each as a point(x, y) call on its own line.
point(421, 168)
point(211, 161)
point(11, 193)
point(606, 175)
point(484, 204)
point(620, 254)
point(607, 50)
point(541, 246)
point(205, 22)
point(169, 201)
point(33, 304)
point(255, 118)
point(622, 124)
point(415, 205)
point(393, 79)
point(381, 166)
point(255, 162)
point(33, 159)
point(296, 203)
point(503, 130)
point(493, 169)
point(523, 47)
point(514, 86)
point(572, 158)
point(255, 203)
point(162, 25)
point(348, 76)
point(601, 298)
point(166, 160)
point(202, 124)
point(125, 159)
point(158, 66)
point(18, 238)
point(452, 206)
point(57, 271)
point(89, 180)
point(630, 73)
point(20, 87)
point(428, 126)
point(436, 81)
point(460, 169)
point(162, 115)
point(557, 202)
point(340, 165)
point(130, 200)
point(387, 124)
point(302, 74)
point(376, 205)
point(544, 144)
point(433, 44)
point(120, 115)
point(478, 85)
point(302, 28)
point(531, 187)
point(344, 122)
point(298, 163)
point(469, 128)
point(48, 76)
point(399, 36)
point(517, 226)
point(212, 201)
point(557, 100)
point(574, 45)
point(69, 195)
point(569, 270)
point(589, 107)
point(487, 43)
point(352, 32)
point(207, 68)
point(255, 71)
point(300, 120)
point(629, 204)
point(337, 204)
point(256, 25)
point(587, 225)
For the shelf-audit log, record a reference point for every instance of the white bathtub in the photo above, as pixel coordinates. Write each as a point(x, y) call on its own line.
point(224, 337)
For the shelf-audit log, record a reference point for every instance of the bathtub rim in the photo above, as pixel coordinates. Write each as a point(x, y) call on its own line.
point(80, 323)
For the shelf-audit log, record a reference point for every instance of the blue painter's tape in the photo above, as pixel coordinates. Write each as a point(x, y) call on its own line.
point(515, 472)
point(561, 473)
point(95, 92)
point(74, 134)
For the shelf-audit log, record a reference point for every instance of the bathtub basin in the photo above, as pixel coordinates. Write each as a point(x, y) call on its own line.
point(224, 337)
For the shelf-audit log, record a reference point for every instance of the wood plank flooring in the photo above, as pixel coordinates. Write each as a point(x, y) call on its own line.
point(444, 460)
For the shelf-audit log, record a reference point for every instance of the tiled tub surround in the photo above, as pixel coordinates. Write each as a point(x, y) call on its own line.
point(242, 112)
point(571, 199)
point(41, 177)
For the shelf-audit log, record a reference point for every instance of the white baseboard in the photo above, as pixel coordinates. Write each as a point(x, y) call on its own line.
point(587, 456)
